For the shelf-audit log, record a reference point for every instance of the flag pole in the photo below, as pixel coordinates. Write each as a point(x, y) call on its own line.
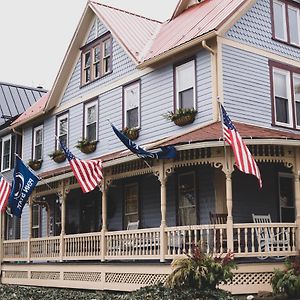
point(224, 143)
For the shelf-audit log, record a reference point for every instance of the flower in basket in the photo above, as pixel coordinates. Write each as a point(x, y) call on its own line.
point(35, 164)
point(58, 156)
point(181, 116)
point(131, 132)
point(86, 146)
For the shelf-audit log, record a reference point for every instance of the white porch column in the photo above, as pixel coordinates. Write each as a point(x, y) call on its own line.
point(1, 239)
point(297, 197)
point(229, 211)
point(104, 220)
point(62, 201)
point(30, 229)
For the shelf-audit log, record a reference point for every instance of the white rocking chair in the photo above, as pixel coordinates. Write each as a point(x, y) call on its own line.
point(269, 239)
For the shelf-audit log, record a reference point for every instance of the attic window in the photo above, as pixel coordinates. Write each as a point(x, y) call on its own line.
point(96, 59)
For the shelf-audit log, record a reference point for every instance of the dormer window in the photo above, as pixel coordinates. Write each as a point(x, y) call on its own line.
point(96, 59)
point(286, 22)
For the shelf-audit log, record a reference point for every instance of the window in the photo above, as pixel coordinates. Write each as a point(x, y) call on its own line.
point(131, 213)
point(185, 85)
point(187, 199)
point(36, 219)
point(96, 59)
point(286, 95)
point(62, 130)
point(6, 153)
point(286, 22)
point(132, 105)
point(38, 143)
point(90, 121)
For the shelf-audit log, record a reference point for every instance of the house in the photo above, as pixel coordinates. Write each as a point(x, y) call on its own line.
point(14, 100)
point(132, 70)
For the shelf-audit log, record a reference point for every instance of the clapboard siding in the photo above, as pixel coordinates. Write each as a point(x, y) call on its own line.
point(25, 222)
point(255, 28)
point(121, 65)
point(246, 83)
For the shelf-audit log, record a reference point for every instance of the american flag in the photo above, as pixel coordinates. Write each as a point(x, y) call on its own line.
point(4, 193)
point(87, 172)
point(243, 158)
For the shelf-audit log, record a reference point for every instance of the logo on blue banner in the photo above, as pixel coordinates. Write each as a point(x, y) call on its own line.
point(23, 184)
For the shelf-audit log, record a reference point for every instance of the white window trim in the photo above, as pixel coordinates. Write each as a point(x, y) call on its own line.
point(295, 75)
point(298, 21)
point(132, 86)
point(177, 69)
point(4, 139)
point(41, 127)
point(289, 95)
point(86, 107)
point(283, 8)
point(64, 116)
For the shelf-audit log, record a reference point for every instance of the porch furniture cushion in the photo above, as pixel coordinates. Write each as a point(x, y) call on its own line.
point(269, 239)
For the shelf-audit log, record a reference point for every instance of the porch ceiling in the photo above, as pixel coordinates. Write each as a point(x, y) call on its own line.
point(208, 133)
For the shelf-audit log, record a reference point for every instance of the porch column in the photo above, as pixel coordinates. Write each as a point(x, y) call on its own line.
point(62, 201)
point(229, 210)
point(297, 205)
point(104, 220)
point(1, 239)
point(30, 229)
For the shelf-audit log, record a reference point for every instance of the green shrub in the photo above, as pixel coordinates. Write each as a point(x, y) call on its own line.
point(201, 271)
point(287, 281)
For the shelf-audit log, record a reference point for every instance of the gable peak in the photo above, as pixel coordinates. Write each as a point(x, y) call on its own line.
point(183, 5)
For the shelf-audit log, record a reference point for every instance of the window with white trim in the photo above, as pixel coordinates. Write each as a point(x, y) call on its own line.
point(131, 212)
point(38, 142)
point(283, 99)
point(296, 82)
point(187, 199)
point(62, 130)
point(91, 121)
point(185, 85)
point(6, 153)
point(36, 220)
point(286, 21)
point(132, 105)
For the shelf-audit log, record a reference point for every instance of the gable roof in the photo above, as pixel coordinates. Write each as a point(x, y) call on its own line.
point(131, 30)
point(196, 21)
point(15, 99)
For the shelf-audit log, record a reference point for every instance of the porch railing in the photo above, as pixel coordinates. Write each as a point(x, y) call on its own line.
point(249, 240)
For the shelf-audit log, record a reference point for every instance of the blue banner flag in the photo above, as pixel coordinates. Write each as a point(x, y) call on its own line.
point(165, 152)
point(23, 184)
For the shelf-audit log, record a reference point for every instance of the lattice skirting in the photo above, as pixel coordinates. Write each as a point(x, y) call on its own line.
point(123, 277)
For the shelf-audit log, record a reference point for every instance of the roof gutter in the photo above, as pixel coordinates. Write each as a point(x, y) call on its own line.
point(177, 49)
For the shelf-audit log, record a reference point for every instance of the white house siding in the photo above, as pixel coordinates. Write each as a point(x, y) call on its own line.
point(246, 83)
point(255, 29)
point(121, 65)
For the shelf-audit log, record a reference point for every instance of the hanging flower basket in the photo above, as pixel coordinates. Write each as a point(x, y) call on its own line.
point(86, 146)
point(58, 156)
point(35, 164)
point(131, 133)
point(182, 116)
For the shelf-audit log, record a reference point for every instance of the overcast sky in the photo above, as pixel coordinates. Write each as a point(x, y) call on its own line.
point(35, 34)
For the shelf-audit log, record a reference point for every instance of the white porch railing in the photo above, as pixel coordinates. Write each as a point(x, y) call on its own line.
point(249, 240)
point(136, 244)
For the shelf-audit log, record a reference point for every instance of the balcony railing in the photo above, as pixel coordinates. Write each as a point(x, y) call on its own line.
point(248, 240)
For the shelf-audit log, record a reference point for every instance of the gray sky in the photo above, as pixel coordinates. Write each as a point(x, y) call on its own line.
point(35, 34)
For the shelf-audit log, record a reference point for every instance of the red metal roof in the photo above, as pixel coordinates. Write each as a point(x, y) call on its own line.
point(32, 111)
point(132, 30)
point(197, 20)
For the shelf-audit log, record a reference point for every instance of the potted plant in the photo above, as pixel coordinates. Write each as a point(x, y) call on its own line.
point(35, 164)
point(58, 156)
point(86, 146)
point(182, 116)
point(132, 133)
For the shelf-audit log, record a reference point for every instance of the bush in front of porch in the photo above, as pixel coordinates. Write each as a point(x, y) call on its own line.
point(287, 281)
